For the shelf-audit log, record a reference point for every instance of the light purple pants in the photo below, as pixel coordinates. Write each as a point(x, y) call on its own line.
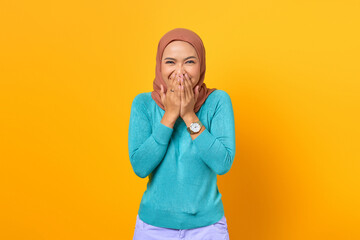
point(216, 231)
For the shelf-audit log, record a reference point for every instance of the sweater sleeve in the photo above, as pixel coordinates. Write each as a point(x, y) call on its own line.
point(216, 145)
point(146, 147)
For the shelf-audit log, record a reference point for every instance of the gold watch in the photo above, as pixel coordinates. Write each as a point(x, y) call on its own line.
point(195, 127)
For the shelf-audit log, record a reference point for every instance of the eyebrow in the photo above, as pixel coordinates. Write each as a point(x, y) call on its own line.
point(184, 58)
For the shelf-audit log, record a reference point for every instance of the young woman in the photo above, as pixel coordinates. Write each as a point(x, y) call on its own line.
point(181, 135)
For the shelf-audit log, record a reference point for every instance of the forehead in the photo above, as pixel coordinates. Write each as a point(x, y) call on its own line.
point(179, 48)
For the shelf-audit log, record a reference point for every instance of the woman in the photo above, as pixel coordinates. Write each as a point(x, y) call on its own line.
point(181, 135)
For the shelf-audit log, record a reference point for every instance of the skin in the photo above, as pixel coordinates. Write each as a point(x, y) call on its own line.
point(180, 70)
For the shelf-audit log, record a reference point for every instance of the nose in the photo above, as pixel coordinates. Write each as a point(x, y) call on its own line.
point(180, 71)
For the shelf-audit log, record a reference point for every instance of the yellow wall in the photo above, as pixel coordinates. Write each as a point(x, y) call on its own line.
point(69, 71)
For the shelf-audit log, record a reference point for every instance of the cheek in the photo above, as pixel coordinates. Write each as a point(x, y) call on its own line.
point(195, 81)
point(165, 74)
point(194, 72)
point(165, 80)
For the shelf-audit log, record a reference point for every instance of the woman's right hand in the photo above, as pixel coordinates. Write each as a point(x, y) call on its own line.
point(171, 100)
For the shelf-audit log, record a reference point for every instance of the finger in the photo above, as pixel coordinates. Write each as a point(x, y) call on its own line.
point(162, 93)
point(197, 92)
point(177, 86)
point(183, 96)
point(173, 82)
point(183, 86)
point(172, 79)
point(176, 81)
point(178, 92)
point(187, 88)
point(182, 93)
point(162, 90)
point(179, 78)
point(191, 90)
point(181, 83)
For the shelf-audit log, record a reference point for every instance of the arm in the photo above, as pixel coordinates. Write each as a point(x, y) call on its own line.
point(216, 146)
point(146, 147)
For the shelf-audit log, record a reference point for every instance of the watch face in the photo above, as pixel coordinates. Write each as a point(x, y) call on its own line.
point(195, 127)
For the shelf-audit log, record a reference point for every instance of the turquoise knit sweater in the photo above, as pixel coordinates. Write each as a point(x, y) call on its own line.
point(182, 190)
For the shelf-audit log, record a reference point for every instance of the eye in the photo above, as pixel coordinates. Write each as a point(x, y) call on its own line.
point(191, 61)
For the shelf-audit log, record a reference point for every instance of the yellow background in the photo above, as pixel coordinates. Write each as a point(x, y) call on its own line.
point(69, 71)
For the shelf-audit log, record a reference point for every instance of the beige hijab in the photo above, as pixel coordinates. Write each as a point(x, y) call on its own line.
point(191, 37)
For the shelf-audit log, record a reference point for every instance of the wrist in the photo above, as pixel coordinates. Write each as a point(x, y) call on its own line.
point(190, 118)
point(169, 119)
point(171, 115)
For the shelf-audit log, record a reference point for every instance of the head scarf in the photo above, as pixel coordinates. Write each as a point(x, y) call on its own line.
point(191, 37)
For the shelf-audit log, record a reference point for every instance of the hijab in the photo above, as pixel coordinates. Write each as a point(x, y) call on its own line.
point(191, 37)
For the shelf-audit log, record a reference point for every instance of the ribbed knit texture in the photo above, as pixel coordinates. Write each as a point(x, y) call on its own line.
point(182, 191)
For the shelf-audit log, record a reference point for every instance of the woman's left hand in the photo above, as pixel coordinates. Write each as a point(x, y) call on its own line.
point(188, 97)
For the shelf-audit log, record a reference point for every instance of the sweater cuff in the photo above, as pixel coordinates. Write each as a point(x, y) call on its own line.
point(162, 133)
point(204, 141)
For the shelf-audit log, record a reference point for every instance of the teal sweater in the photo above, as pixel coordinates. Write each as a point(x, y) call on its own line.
point(182, 190)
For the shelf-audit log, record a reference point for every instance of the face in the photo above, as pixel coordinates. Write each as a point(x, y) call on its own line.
point(180, 57)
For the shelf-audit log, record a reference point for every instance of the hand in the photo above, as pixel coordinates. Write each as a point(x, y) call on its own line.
point(171, 100)
point(188, 97)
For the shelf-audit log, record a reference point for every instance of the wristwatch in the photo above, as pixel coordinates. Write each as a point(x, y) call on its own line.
point(195, 127)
